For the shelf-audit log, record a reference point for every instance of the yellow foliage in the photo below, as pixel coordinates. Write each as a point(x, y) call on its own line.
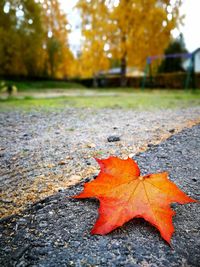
point(35, 44)
point(125, 31)
point(59, 58)
point(131, 30)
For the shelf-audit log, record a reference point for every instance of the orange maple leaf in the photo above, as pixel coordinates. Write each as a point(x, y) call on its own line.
point(124, 194)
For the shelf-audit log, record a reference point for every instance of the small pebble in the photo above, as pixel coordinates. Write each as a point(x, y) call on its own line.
point(62, 162)
point(91, 145)
point(172, 130)
point(113, 138)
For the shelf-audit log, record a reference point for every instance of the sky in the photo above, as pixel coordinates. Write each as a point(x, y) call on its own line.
point(190, 29)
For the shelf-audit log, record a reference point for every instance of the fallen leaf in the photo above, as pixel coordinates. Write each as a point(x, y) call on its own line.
point(124, 195)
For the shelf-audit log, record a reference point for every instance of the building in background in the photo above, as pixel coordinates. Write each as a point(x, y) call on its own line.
point(187, 63)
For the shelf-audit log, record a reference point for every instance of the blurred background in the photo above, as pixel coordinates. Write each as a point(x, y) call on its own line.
point(75, 44)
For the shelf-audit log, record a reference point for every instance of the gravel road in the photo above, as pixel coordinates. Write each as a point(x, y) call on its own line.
point(43, 152)
point(55, 231)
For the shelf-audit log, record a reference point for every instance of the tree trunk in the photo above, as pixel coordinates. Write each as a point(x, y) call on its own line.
point(95, 81)
point(123, 80)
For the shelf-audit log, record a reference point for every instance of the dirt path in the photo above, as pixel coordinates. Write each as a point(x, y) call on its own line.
point(42, 152)
point(51, 93)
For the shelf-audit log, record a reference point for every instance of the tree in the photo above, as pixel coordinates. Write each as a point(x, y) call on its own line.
point(19, 25)
point(31, 33)
point(176, 46)
point(56, 39)
point(34, 39)
point(93, 56)
point(130, 30)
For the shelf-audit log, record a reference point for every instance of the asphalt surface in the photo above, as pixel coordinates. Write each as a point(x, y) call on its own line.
point(56, 231)
point(41, 152)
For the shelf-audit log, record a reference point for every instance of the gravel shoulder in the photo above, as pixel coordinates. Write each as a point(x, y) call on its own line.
point(56, 230)
point(44, 152)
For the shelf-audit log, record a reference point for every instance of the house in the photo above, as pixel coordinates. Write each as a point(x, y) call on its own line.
point(188, 62)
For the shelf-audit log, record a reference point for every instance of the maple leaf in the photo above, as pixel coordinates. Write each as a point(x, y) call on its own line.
point(124, 194)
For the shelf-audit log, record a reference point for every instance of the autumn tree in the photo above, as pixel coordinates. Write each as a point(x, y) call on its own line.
point(31, 32)
point(93, 56)
point(130, 30)
point(34, 39)
point(59, 56)
point(21, 37)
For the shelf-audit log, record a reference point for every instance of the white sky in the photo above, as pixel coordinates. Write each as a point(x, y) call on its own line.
point(190, 30)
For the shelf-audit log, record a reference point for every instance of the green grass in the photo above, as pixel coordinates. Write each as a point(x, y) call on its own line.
point(38, 85)
point(155, 99)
